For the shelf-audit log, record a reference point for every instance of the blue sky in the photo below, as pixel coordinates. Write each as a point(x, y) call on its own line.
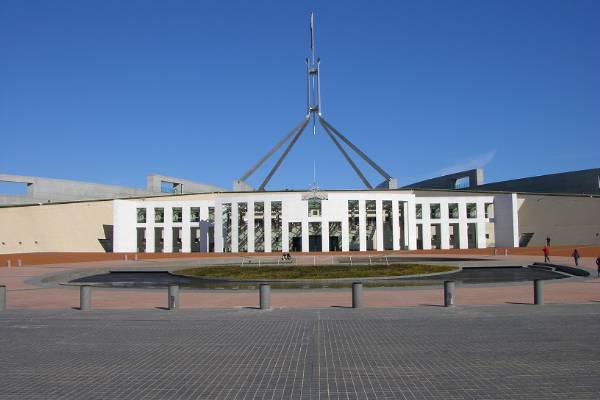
point(110, 91)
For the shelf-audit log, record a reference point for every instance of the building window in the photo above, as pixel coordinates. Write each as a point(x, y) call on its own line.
point(177, 214)
point(471, 210)
point(353, 225)
point(462, 183)
point(226, 221)
point(242, 227)
point(295, 236)
point(159, 215)
point(453, 210)
point(211, 214)
point(259, 226)
point(195, 214)
point(276, 226)
point(141, 215)
point(419, 211)
point(314, 207)
point(371, 220)
point(435, 211)
point(489, 210)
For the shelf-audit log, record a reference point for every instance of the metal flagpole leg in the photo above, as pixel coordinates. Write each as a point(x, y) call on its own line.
point(285, 153)
point(347, 157)
point(272, 151)
point(357, 150)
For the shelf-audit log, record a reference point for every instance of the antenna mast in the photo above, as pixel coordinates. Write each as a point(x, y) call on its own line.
point(313, 94)
point(314, 112)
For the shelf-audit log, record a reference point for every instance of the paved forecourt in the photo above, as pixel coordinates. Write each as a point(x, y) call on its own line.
point(499, 352)
point(39, 287)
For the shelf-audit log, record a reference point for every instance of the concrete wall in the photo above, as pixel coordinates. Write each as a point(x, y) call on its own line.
point(44, 190)
point(565, 219)
point(47, 190)
point(56, 227)
point(447, 181)
point(183, 185)
point(578, 182)
point(506, 220)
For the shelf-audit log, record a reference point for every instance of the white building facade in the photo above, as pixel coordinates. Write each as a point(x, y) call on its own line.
point(327, 221)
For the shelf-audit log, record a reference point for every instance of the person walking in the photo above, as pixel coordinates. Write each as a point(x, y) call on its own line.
point(598, 264)
point(546, 251)
point(575, 256)
point(548, 241)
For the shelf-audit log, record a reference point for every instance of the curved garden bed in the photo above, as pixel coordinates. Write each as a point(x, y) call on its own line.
point(310, 272)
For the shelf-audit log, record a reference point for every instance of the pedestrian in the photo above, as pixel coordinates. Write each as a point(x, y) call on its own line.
point(598, 264)
point(575, 256)
point(548, 241)
point(546, 251)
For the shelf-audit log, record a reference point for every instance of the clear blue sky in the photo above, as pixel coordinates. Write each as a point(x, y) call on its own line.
point(110, 91)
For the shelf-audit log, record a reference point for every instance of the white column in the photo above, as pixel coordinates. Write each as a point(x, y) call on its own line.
point(362, 225)
point(481, 242)
point(234, 227)
point(250, 215)
point(203, 225)
point(285, 232)
point(396, 224)
point(304, 236)
point(410, 227)
point(185, 230)
point(379, 225)
point(463, 227)
point(325, 236)
point(268, 239)
point(150, 230)
point(218, 228)
point(445, 226)
point(168, 230)
point(345, 234)
point(426, 227)
point(285, 236)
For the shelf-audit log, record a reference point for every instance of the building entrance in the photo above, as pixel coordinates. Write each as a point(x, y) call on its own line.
point(314, 237)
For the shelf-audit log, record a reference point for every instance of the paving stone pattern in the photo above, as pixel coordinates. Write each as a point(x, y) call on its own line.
point(494, 352)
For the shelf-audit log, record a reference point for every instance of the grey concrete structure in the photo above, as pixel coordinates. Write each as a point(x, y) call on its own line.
point(357, 289)
point(173, 297)
point(49, 190)
point(538, 292)
point(2, 297)
point(470, 179)
point(578, 182)
point(264, 301)
point(491, 352)
point(448, 293)
point(178, 185)
point(85, 298)
point(573, 182)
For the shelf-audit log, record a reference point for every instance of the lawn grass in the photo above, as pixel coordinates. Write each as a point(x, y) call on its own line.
point(313, 272)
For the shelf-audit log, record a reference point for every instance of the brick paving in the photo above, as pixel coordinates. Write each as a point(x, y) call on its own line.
point(492, 352)
point(28, 289)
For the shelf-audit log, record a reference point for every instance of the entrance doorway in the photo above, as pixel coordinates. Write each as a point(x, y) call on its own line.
point(176, 240)
point(472, 235)
point(158, 240)
point(141, 240)
point(314, 237)
point(335, 236)
point(295, 234)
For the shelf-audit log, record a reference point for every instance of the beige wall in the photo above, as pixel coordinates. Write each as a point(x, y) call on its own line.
point(565, 219)
point(55, 227)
